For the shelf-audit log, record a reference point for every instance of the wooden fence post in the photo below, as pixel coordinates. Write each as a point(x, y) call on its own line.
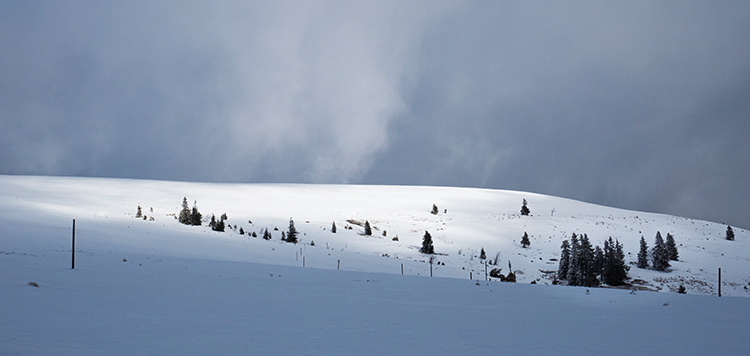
point(73, 250)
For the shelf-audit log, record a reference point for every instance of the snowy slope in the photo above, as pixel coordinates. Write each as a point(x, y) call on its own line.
point(159, 287)
point(105, 208)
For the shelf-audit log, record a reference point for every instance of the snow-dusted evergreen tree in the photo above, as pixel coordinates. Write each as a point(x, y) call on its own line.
point(139, 213)
point(598, 265)
point(291, 235)
point(643, 254)
point(283, 236)
point(482, 255)
point(434, 210)
point(524, 208)
point(266, 234)
point(525, 240)
point(659, 256)
point(242, 231)
point(615, 271)
point(368, 230)
point(573, 260)
point(671, 247)
point(427, 246)
point(587, 276)
point(196, 218)
point(184, 213)
point(333, 227)
point(562, 269)
point(730, 233)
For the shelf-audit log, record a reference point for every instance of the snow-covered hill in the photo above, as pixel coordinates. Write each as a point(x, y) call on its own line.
point(155, 286)
point(468, 220)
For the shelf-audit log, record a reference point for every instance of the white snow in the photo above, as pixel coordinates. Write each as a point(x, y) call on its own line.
point(159, 287)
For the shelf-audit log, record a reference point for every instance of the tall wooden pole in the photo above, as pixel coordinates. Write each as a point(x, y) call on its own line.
point(73, 250)
point(719, 281)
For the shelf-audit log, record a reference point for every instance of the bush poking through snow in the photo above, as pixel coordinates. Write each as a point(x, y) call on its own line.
point(434, 210)
point(34, 284)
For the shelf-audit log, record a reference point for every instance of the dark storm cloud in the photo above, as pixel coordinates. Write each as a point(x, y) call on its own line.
point(641, 105)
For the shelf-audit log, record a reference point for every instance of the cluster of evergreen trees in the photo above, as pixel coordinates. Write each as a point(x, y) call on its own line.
point(583, 265)
point(218, 225)
point(661, 254)
point(190, 217)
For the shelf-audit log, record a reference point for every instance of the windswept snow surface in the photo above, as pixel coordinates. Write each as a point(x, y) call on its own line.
point(159, 287)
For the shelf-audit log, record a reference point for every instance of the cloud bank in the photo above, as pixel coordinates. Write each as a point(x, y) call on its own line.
point(639, 105)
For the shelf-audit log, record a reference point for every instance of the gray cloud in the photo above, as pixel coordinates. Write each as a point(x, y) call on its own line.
point(640, 105)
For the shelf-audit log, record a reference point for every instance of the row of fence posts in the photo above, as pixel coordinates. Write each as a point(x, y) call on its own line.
point(297, 254)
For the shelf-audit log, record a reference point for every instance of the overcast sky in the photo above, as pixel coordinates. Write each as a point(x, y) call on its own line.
point(639, 105)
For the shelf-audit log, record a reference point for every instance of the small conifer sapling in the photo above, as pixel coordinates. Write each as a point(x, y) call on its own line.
point(427, 247)
point(730, 233)
point(368, 230)
point(524, 208)
point(525, 240)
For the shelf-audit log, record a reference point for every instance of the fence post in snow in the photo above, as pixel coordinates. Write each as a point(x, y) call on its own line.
point(719, 281)
point(303, 261)
point(402, 269)
point(73, 249)
point(338, 267)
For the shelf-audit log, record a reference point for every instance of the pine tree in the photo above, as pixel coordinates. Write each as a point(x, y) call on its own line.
point(212, 223)
point(283, 236)
point(730, 233)
point(266, 235)
point(615, 271)
point(573, 260)
point(333, 227)
point(139, 213)
point(291, 236)
point(185, 212)
point(482, 255)
point(525, 240)
point(242, 231)
point(368, 230)
point(587, 277)
point(195, 216)
point(643, 254)
point(434, 210)
point(671, 248)
point(562, 269)
point(524, 208)
point(599, 260)
point(659, 257)
point(427, 246)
